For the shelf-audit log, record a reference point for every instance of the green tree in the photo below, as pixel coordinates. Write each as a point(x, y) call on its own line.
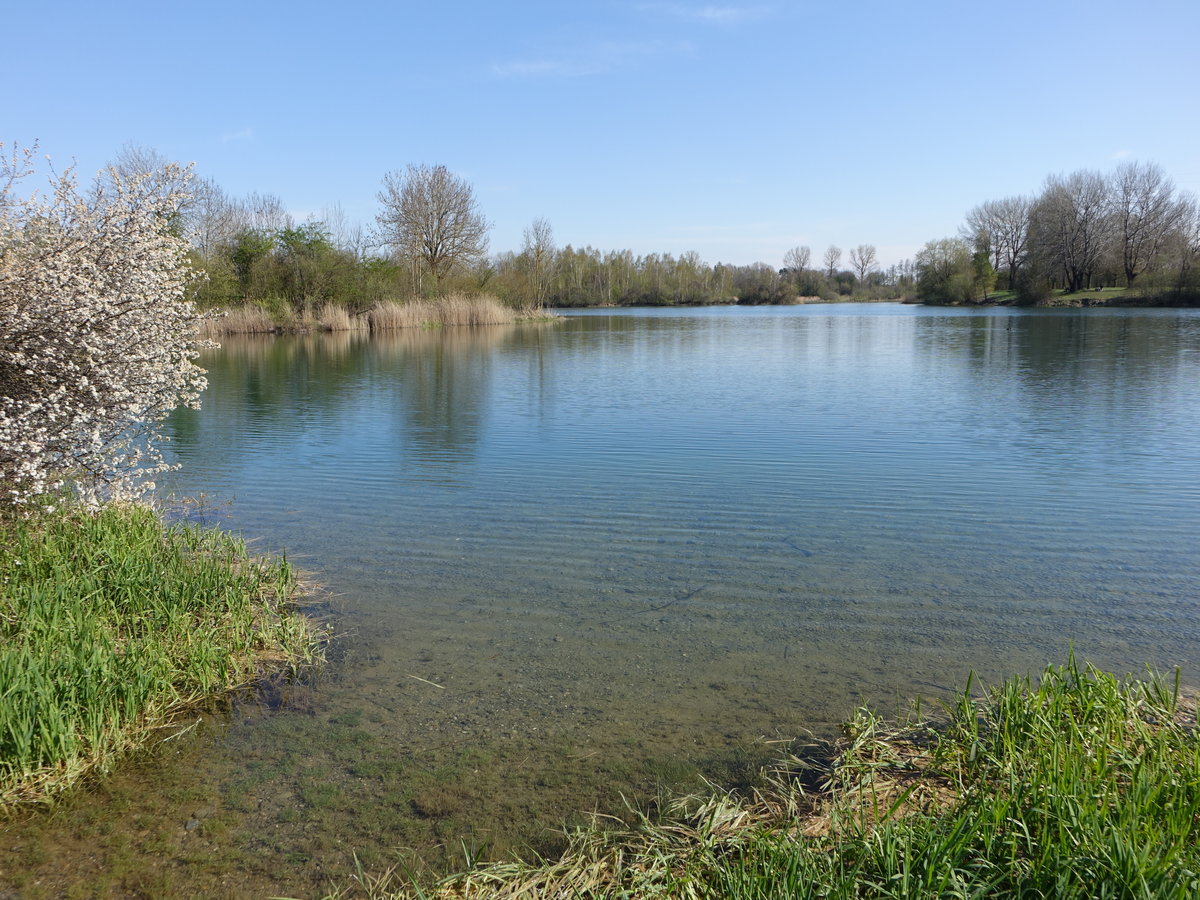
point(983, 273)
point(308, 262)
point(249, 247)
point(946, 272)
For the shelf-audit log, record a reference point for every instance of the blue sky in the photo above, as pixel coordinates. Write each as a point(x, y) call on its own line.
point(735, 129)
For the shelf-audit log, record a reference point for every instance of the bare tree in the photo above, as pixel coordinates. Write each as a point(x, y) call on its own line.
point(1183, 244)
point(264, 213)
point(539, 252)
point(161, 177)
point(213, 218)
point(832, 259)
point(1006, 223)
point(345, 235)
point(431, 215)
point(1146, 212)
point(1072, 225)
point(797, 260)
point(862, 258)
point(167, 177)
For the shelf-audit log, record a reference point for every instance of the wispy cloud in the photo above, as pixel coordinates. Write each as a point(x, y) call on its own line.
point(709, 14)
point(596, 59)
point(1122, 154)
point(229, 137)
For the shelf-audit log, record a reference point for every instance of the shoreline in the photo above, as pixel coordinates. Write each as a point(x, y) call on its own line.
point(1030, 787)
point(116, 625)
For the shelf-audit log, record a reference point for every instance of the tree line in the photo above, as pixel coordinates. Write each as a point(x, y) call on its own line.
point(1086, 231)
point(1131, 228)
point(431, 238)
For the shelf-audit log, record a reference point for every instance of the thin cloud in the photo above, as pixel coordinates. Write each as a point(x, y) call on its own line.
point(595, 60)
point(710, 14)
point(246, 134)
point(1122, 154)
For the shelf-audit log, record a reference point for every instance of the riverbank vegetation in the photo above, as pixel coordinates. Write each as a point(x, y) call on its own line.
point(111, 621)
point(1128, 237)
point(1076, 785)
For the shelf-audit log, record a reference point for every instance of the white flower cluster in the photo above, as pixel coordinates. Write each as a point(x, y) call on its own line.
point(97, 337)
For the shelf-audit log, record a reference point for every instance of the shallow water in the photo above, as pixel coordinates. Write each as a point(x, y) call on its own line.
point(581, 560)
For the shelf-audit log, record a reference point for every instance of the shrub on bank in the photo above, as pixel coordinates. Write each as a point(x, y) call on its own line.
point(97, 337)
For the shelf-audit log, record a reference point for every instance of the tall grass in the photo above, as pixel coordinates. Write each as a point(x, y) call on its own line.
point(331, 317)
point(249, 319)
point(453, 309)
point(1080, 785)
point(111, 623)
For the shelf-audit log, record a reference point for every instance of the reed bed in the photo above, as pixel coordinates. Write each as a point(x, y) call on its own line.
point(1080, 785)
point(332, 317)
point(112, 623)
point(249, 319)
point(453, 309)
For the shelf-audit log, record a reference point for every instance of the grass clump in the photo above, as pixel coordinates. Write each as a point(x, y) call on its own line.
point(112, 622)
point(1077, 785)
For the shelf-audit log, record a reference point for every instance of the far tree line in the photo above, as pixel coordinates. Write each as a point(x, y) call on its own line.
point(1131, 228)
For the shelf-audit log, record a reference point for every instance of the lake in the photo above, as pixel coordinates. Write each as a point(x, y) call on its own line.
point(573, 562)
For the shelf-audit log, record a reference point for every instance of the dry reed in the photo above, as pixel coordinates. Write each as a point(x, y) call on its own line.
point(453, 309)
point(248, 319)
point(332, 317)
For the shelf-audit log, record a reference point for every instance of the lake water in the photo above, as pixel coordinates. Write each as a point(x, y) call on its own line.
point(576, 561)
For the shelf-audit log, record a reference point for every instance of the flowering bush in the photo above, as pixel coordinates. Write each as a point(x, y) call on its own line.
point(97, 338)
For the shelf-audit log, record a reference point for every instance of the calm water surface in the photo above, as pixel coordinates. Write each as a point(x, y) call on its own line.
point(592, 557)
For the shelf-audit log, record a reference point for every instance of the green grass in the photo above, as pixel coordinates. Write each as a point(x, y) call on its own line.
point(1077, 785)
point(111, 623)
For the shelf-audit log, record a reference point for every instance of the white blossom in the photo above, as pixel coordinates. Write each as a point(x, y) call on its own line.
point(97, 338)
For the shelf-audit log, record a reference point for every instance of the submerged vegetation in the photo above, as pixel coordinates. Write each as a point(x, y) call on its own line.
point(1077, 785)
point(112, 623)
